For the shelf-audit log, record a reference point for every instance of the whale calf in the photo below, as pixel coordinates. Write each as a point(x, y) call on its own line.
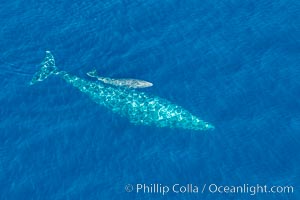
point(123, 82)
point(139, 107)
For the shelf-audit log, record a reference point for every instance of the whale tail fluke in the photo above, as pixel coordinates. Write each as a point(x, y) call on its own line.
point(47, 68)
point(92, 73)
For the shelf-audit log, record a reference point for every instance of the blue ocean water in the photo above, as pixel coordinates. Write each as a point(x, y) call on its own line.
point(235, 64)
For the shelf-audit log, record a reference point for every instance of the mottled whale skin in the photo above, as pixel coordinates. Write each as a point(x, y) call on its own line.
point(140, 108)
point(121, 82)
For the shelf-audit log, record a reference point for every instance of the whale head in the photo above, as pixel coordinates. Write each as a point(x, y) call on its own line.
point(198, 124)
point(209, 126)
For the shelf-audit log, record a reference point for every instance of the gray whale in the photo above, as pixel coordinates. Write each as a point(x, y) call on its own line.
point(121, 82)
point(140, 108)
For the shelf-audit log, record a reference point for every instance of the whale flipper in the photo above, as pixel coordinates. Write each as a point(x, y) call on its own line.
point(47, 68)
